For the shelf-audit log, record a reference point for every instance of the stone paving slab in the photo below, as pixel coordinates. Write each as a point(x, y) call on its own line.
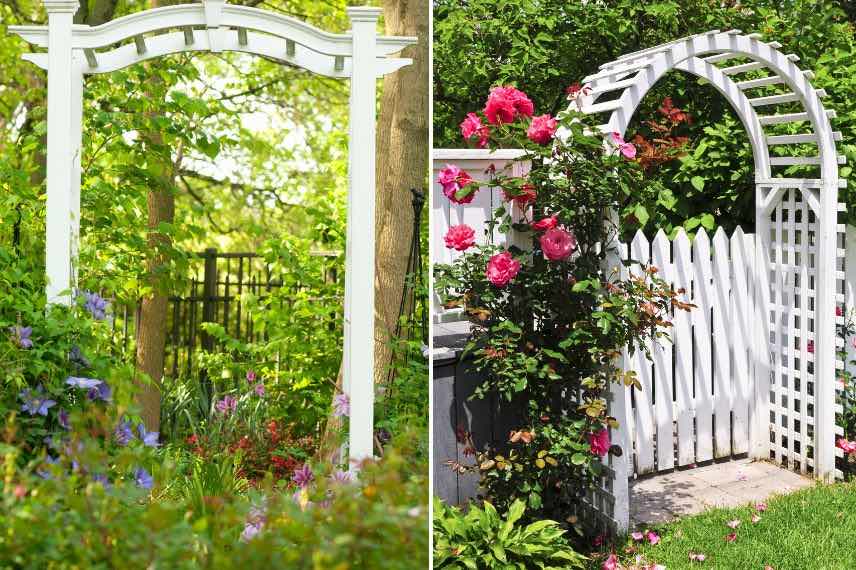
point(666, 497)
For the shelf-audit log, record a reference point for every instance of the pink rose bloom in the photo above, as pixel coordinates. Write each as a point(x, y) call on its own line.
point(453, 179)
point(545, 224)
point(599, 442)
point(610, 563)
point(839, 312)
point(557, 244)
point(472, 126)
point(541, 129)
point(653, 537)
point(846, 446)
point(626, 148)
point(810, 346)
point(460, 237)
point(505, 104)
point(502, 268)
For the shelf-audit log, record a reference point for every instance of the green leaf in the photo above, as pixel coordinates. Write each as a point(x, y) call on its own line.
point(697, 182)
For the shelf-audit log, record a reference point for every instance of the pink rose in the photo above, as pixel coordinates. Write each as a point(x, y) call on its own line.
point(599, 442)
point(846, 446)
point(472, 126)
point(545, 224)
point(626, 148)
point(505, 104)
point(557, 244)
point(839, 312)
point(610, 563)
point(541, 129)
point(460, 237)
point(502, 268)
point(810, 347)
point(453, 179)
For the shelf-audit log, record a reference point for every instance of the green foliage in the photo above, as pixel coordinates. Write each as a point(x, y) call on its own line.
point(481, 539)
point(546, 45)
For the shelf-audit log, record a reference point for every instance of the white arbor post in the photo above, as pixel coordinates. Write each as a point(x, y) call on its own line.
point(59, 152)
point(360, 249)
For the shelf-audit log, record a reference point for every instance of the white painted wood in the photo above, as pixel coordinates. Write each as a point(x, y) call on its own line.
point(662, 356)
point(59, 151)
point(359, 321)
point(75, 132)
point(703, 298)
point(740, 325)
point(643, 409)
point(722, 344)
point(803, 292)
point(683, 279)
point(802, 160)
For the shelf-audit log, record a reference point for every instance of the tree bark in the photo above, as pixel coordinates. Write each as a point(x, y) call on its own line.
point(402, 164)
point(152, 324)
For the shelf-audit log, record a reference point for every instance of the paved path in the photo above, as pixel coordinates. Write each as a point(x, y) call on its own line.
point(663, 498)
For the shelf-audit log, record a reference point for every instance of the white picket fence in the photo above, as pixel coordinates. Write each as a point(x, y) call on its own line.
point(732, 378)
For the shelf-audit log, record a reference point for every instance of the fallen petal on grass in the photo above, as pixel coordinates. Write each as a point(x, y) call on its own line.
point(731, 537)
point(733, 524)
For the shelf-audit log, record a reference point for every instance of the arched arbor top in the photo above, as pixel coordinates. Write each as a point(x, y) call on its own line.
point(216, 26)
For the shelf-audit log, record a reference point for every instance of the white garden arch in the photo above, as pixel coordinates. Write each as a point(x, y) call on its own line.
point(798, 259)
point(74, 51)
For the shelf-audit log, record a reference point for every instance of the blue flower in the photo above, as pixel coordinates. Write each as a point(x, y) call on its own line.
point(22, 336)
point(76, 357)
point(149, 438)
point(63, 419)
point(123, 433)
point(143, 478)
point(96, 305)
point(99, 478)
point(44, 473)
point(34, 403)
point(85, 383)
point(100, 392)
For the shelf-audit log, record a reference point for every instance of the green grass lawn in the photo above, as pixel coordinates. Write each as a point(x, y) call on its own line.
point(813, 529)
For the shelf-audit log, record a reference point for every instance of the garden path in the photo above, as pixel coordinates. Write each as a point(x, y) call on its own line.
point(669, 496)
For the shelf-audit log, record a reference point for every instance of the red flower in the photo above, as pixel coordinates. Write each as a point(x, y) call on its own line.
point(472, 126)
point(502, 268)
point(599, 442)
point(460, 237)
point(453, 179)
point(674, 114)
point(505, 104)
point(545, 224)
point(542, 129)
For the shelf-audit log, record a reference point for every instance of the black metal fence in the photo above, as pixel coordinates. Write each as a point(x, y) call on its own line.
point(214, 293)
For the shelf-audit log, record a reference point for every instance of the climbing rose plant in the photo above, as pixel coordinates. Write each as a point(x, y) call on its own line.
point(552, 314)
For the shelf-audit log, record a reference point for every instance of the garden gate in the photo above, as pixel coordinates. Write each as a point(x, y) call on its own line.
point(798, 258)
point(74, 51)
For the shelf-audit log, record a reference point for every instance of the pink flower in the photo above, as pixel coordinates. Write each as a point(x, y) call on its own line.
point(653, 537)
point(341, 406)
point(545, 224)
point(460, 237)
point(756, 519)
point(541, 129)
point(227, 405)
point(453, 179)
point(598, 541)
point(599, 442)
point(557, 244)
point(760, 507)
point(502, 268)
point(575, 90)
point(251, 376)
point(626, 148)
point(472, 126)
point(731, 537)
point(611, 563)
point(810, 347)
point(846, 446)
point(637, 536)
point(733, 524)
point(505, 104)
point(259, 389)
point(697, 557)
point(839, 312)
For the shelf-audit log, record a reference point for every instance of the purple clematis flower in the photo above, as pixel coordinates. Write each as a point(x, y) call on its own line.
point(341, 406)
point(149, 438)
point(123, 433)
point(340, 477)
point(34, 403)
point(303, 476)
point(143, 478)
point(62, 416)
point(76, 357)
point(101, 392)
point(227, 405)
point(96, 305)
point(255, 523)
point(85, 383)
point(22, 336)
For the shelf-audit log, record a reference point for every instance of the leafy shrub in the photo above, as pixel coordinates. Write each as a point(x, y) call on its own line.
point(481, 539)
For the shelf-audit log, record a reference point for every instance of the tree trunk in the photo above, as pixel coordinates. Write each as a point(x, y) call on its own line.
point(402, 164)
point(152, 324)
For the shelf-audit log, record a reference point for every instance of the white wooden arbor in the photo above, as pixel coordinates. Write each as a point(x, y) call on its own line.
point(798, 256)
point(74, 51)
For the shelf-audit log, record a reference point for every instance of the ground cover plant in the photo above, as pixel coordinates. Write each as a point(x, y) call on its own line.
point(811, 528)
